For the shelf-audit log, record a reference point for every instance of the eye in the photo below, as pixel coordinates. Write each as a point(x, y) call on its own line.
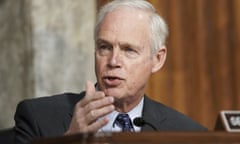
point(131, 52)
point(130, 49)
point(103, 48)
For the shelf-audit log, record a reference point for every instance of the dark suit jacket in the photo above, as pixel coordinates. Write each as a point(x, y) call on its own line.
point(51, 116)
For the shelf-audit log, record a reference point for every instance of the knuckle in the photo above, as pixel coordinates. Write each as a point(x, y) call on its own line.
point(87, 108)
point(100, 94)
point(92, 113)
point(90, 106)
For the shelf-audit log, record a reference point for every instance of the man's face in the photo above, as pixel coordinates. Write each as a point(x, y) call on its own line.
point(123, 60)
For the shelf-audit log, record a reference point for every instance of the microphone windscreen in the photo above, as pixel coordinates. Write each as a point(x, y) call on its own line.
point(139, 121)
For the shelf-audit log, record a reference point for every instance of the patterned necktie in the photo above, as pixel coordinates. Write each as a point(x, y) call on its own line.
point(124, 122)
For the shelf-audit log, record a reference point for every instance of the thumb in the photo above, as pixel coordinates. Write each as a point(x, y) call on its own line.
point(90, 88)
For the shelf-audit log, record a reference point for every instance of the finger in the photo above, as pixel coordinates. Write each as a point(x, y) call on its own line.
point(94, 127)
point(91, 94)
point(89, 122)
point(98, 104)
point(93, 115)
point(90, 89)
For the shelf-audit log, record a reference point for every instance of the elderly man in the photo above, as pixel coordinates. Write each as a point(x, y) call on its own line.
point(129, 47)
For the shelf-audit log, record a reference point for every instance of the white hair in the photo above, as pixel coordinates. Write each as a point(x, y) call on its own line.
point(158, 27)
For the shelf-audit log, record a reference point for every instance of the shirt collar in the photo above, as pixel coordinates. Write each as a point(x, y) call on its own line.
point(135, 112)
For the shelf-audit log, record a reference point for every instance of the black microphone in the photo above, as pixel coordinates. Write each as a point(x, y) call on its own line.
point(140, 122)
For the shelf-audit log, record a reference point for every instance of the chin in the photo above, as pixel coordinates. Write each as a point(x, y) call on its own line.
point(114, 93)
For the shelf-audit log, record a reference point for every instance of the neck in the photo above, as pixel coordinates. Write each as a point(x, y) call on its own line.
point(127, 104)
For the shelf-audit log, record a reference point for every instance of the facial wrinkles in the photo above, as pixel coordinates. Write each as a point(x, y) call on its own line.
point(127, 27)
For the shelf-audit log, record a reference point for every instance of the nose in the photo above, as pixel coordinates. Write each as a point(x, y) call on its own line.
point(115, 59)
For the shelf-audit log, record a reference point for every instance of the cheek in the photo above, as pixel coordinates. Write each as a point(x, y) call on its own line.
point(99, 62)
point(140, 72)
point(98, 66)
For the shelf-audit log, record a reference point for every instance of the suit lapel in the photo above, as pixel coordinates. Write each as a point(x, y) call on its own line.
point(151, 114)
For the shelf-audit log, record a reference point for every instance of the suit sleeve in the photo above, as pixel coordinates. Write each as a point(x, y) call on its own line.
point(25, 124)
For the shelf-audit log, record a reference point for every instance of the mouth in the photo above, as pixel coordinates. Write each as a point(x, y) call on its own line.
point(112, 80)
point(112, 77)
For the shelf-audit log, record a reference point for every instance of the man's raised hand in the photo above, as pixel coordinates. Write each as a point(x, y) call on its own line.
point(87, 111)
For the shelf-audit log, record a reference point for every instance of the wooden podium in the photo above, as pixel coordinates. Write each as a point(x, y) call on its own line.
point(145, 138)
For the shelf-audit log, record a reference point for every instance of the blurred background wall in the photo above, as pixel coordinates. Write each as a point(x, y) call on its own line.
point(201, 75)
point(46, 47)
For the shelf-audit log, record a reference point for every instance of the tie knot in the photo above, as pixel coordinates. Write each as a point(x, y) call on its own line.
point(124, 122)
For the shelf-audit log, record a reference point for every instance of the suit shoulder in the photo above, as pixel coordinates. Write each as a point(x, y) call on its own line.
point(45, 116)
point(59, 99)
point(173, 119)
point(48, 104)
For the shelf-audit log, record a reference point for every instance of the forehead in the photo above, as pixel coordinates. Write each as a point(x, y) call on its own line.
point(125, 24)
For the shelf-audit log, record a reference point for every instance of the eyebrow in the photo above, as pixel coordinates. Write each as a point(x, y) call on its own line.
point(120, 43)
point(101, 40)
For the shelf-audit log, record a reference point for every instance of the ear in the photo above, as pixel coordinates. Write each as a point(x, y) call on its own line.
point(159, 59)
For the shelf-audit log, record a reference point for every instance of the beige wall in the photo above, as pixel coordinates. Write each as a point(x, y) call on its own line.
point(46, 47)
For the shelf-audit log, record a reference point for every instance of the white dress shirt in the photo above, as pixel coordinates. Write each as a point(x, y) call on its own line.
point(135, 112)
